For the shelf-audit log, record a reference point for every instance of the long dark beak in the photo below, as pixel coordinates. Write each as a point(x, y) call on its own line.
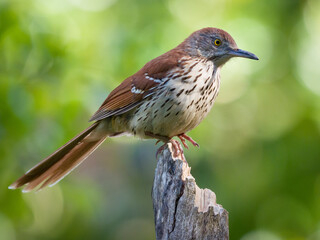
point(242, 53)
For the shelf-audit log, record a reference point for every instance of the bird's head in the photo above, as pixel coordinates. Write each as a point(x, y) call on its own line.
point(215, 45)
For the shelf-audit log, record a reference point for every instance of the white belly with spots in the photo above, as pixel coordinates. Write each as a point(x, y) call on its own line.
point(179, 105)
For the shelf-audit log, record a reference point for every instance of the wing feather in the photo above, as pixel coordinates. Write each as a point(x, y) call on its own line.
point(135, 89)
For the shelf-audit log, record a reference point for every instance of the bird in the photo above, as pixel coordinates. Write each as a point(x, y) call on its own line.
point(169, 96)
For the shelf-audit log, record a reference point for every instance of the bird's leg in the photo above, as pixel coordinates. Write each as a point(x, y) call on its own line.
point(176, 147)
point(184, 137)
point(183, 141)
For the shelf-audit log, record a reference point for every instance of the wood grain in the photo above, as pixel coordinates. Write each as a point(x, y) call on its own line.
point(181, 209)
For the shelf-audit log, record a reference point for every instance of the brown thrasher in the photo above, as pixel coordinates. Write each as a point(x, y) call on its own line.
point(168, 97)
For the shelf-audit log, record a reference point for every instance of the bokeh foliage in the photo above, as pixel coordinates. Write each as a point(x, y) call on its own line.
point(260, 146)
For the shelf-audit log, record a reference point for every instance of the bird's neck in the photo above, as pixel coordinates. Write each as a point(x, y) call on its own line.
point(216, 74)
point(216, 71)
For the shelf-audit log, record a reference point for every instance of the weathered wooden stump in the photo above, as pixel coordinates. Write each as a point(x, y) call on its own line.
point(181, 209)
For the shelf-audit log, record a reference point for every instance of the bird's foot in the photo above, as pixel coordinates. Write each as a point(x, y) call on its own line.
point(183, 137)
point(183, 141)
point(177, 150)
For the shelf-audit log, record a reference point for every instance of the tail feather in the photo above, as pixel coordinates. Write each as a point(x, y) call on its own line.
point(59, 164)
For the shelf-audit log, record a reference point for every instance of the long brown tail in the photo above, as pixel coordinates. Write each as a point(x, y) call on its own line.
point(59, 164)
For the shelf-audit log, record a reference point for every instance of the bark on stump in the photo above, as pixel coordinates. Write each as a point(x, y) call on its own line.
point(181, 209)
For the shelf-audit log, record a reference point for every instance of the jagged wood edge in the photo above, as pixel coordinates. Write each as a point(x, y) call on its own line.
point(182, 210)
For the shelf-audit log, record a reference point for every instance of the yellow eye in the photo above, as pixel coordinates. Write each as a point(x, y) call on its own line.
point(217, 42)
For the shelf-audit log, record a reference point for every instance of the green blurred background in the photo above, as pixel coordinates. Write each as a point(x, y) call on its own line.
point(260, 146)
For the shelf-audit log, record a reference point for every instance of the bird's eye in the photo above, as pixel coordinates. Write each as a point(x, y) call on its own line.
point(217, 42)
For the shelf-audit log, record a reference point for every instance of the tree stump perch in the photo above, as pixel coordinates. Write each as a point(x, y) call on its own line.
point(181, 209)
